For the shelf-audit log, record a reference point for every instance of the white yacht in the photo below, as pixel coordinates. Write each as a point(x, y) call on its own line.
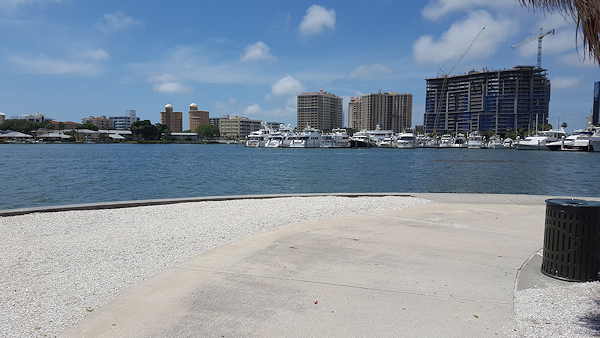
point(254, 139)
point(595, 139)
point(388, 142)
point(539, 141)
point(579, 140)
point(274, 140)
point(446, 141)
point(495, 142)
point(406, 141)
point(308, 138)
point(258, 138)
point(475, 140)
point(459, 141)
point(379, 135)
point(340, 138)
point(508, 143)
point(288, 134)
point(361, 139)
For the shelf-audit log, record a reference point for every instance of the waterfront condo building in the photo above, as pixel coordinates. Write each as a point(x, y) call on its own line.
point(488, 100)
point(173, 120)
point(102, 122)
point(124, 122)
point(353, 112)
point(197, 117)
point(320, 110)
point(2, 117)
point(596, 107)
point(238, 126)
point(389, 111)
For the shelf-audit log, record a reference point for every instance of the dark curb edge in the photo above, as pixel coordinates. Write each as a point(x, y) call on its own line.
point(140, 203)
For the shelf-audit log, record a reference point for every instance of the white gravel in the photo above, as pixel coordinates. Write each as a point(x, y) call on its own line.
point(57, 267)
point(558, 311)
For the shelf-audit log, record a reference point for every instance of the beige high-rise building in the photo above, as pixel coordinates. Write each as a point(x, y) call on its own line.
point(102, 122)
point(320, 110)
point(389, 111)
point(197, 117)
point(173, 120)
point(353, 112)
point(238, 126)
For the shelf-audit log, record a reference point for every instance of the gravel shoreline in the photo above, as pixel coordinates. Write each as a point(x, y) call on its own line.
point(57, 267)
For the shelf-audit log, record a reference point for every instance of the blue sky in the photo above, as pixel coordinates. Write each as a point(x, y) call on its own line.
point(69, 59)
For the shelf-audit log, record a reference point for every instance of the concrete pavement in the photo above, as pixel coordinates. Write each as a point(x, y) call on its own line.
point(446, 269)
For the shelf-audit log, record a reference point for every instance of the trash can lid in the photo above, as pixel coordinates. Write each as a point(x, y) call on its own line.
point(573, 203)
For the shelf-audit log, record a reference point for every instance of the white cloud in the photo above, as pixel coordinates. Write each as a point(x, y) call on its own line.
point(111, 23)
point(257, 51)
point(438, 8)
point(168, 84)
point(316, 20)
point(13, 4)
point(577, 59)
point(97, 54)
point(254, 111)
point(426, 50)
point(370, 72)
point(287, 85)
point(566, 82)
point(45, 65)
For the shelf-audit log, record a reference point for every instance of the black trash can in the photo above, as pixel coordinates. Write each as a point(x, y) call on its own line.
point(572, 240)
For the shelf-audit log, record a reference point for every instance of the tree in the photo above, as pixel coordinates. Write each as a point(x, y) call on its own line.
point(145, 130)
point(487, 134)
point(22, 126)
point(207, 131)
point(163, 132)
point(585, 12)
point(564, 125)
point(510, 133)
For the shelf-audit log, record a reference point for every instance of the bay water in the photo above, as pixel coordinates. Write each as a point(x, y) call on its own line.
point(53, 174)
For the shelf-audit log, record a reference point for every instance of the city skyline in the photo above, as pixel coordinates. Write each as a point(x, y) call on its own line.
point(69, 59)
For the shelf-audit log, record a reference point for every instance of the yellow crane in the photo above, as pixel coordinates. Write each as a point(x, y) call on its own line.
point(539, 38)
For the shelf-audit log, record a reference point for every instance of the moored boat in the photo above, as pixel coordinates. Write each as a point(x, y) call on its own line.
point(579, 140)
point(308, 138)
point(539, 141)
point(475, 140)
point(406, 141)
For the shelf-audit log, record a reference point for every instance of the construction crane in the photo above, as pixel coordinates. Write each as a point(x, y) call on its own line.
point(444, 83)
point(539, 38)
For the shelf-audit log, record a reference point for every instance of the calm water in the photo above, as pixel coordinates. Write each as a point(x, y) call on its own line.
point(53, 174)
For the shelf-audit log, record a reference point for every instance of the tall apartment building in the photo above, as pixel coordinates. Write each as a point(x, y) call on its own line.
point(488, 100)
point(238, 126)
point(197, 117)
point(173, 120)
point(389, 111)
point(353, 112)
point(124, 122)
point(216, 121)
point(2, 117)
point(102, 122)
point(596, 107)
point(320, 110)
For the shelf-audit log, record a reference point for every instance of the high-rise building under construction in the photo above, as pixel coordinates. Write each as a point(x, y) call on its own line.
point(488, 100)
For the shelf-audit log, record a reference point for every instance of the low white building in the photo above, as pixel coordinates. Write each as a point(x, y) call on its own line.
point(124, 122)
